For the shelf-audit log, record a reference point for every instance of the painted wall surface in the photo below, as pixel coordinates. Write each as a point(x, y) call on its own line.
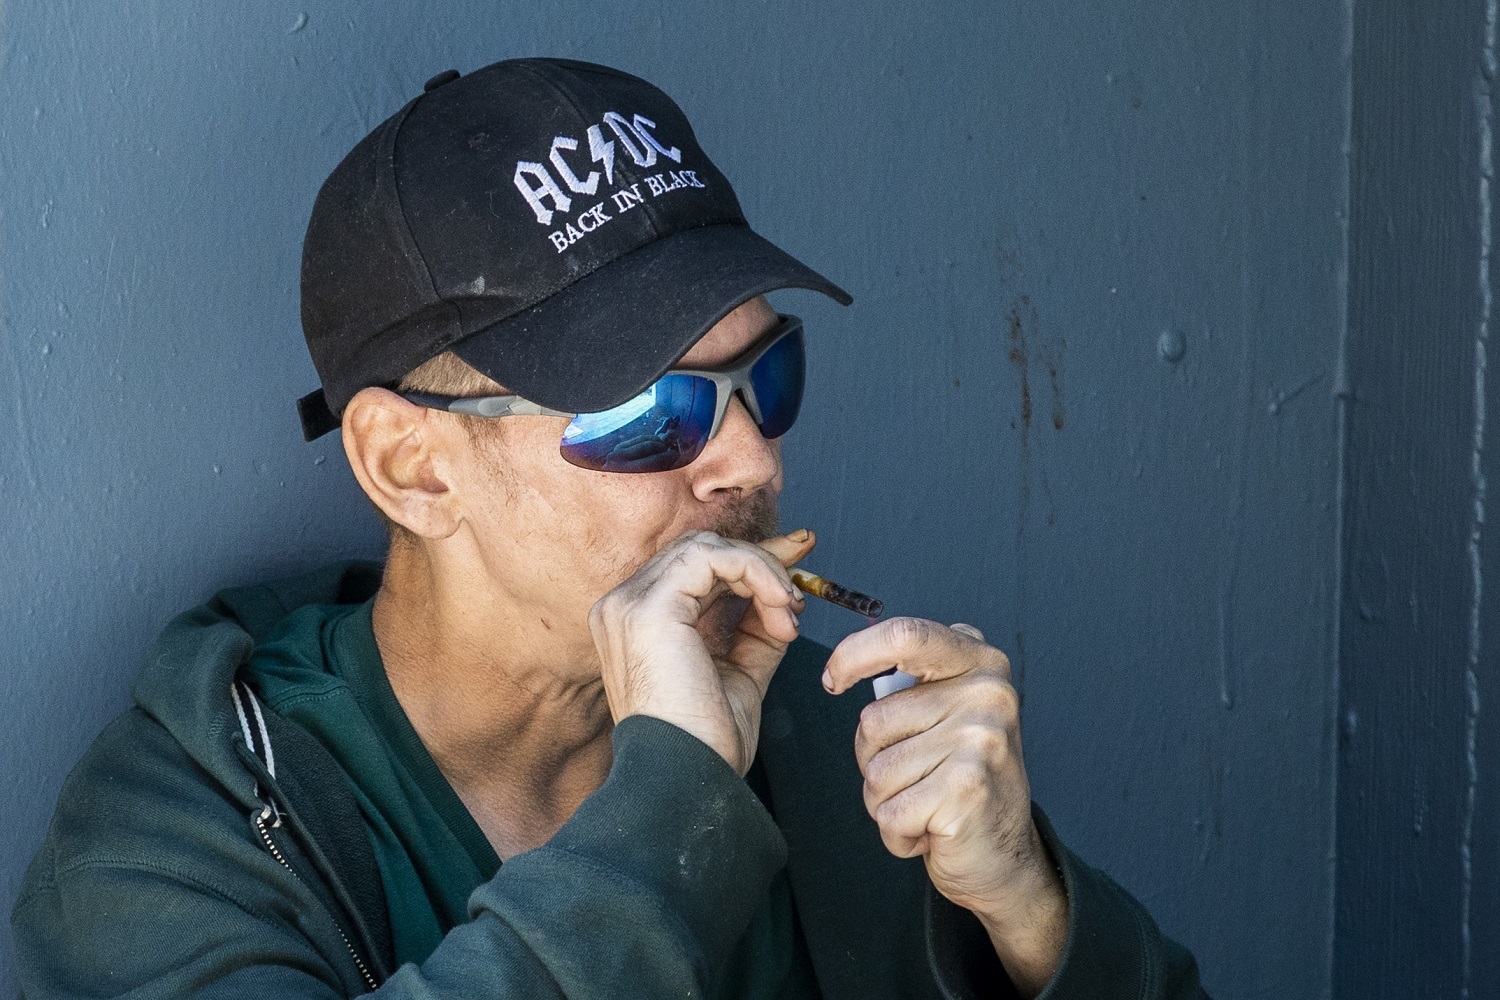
point(1083, 400)
point(1418, 845)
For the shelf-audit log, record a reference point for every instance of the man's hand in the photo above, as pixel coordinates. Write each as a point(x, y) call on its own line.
point(944, 779)
point(654, 657)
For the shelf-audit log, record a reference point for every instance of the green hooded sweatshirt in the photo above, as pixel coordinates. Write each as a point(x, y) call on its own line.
point(178, 864)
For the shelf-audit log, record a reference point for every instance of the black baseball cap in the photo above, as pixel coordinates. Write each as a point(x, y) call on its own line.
point(553, 223)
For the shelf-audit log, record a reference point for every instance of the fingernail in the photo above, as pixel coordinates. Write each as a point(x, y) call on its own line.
point(827, 681)
point(800, 535)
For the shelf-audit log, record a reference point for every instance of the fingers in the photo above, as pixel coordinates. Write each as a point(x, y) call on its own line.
point(943, 771)
point(683, 579)
point(673, 591)
point(901, 765)
point(656, 660)
point(900, 716)
point(933, 806)
point(925, 785)
point(759, 634)
point(925, 751)
point(925, 649)
point(982, 695)
point(788, 549)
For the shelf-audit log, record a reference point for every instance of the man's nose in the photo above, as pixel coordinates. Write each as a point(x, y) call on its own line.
point(738, 457)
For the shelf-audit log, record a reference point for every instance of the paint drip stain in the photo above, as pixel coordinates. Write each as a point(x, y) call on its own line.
point(1021, 318)
point(1057, 405)
point(1019, 359)
point(1021, 355)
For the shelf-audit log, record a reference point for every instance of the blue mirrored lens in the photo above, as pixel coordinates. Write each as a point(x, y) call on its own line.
point(777, 378)
point(663, 428)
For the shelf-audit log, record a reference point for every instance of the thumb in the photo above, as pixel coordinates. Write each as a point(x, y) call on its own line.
point(792, 546)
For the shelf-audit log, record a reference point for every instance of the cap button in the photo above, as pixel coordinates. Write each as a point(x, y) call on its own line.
point(446, 76)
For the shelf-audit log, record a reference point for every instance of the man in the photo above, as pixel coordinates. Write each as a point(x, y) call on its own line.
point(568, 741)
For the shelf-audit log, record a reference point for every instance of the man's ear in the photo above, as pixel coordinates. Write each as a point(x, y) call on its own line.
point(395, 448)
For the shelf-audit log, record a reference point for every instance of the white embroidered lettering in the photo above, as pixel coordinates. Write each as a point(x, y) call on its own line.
point(628, 198)
point(587, 221)
point(591, 219)
point(548, 189)
point(631, 139)
point(587, 186)
point(602, 151)
point(547, 197)
point(641, 123)
point(660, 184)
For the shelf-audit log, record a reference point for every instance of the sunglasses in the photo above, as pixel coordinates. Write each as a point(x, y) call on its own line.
point(667, 426)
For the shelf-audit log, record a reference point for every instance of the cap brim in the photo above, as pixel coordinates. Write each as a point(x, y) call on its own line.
point(609, 335)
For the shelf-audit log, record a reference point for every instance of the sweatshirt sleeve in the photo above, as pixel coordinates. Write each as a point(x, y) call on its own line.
point(643, 891)
point(1113, 947)
point(641, 894)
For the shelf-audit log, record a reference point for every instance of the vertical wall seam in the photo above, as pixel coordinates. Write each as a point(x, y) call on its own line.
point(1343, 395)
point(1484, 108)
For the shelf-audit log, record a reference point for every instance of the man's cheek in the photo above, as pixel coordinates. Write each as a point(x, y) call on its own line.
point(626, 540)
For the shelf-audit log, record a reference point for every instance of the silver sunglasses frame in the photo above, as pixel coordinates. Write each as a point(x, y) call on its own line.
point(727, 381)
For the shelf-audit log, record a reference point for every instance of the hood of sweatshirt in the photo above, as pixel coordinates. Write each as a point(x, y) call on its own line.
point(184, 684)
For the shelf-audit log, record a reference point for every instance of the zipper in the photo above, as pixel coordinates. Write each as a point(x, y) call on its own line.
point(265, 835)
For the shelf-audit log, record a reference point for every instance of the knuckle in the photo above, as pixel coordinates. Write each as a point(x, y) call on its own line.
point(999, 694)
point(1009, 701)
point(907, 633)
point(987, 740)
point(1002, 663)
point(970, 779)
point(616, 601)
point(605, 608)
point(899, 844)
point(898, 816)
point(888, 813)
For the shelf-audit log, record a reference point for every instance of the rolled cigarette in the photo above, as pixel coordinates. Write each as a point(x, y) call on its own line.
point(810, 583)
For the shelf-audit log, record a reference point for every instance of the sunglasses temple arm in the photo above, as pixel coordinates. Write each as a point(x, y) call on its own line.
point(525, 407)
point(498, 406)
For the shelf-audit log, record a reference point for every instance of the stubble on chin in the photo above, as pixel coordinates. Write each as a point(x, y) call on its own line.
point(749, 518)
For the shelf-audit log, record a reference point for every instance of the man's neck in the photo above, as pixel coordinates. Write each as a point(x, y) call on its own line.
point(496, 696)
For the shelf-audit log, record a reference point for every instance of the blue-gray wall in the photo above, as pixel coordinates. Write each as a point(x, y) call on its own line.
point(1086, 398)
point(1418, 824)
